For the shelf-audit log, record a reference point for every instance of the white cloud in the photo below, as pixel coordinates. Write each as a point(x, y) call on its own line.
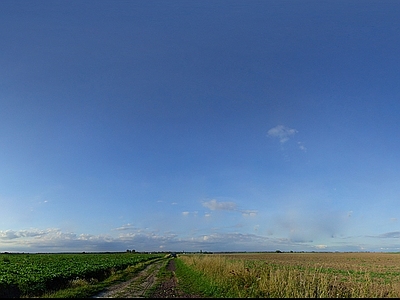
point(215, 205)
point(282, 132)
point(249, 213)
point(9, 234)
point(301, 146)
point(54, 240)
point(12, 234)
point(185, 213)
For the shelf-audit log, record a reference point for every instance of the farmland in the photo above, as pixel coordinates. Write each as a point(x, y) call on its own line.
point(299, 275)
point(37, 274)
point(238, 275)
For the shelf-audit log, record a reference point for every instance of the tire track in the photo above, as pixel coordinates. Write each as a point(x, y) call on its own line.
point(135, 287)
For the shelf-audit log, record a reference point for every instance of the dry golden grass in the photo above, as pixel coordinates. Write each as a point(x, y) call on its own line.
point(299, 275)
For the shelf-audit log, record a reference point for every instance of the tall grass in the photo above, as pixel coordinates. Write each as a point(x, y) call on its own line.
point(243, 278)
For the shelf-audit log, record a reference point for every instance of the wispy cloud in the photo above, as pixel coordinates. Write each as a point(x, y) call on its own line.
point(125, 227)
point(215, 205)
point(301, 146)
point(228, 206)
point(311, 226)
point(282, 132)
point(249, 213)
point(192, 213)
point(389, 235)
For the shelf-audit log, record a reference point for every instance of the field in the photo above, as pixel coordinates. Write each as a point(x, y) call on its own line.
point(299, 275)
point(237, 275)
point(25, 275)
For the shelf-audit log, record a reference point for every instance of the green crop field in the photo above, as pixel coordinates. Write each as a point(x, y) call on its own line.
point(36, 274)
point(298, 275)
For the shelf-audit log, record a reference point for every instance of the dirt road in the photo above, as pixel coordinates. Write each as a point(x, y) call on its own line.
point(137, 286)
point(169, 288)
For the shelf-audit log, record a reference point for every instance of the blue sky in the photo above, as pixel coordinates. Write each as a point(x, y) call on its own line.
point(199, 125)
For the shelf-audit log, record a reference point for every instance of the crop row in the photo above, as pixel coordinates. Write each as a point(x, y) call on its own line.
point(34, 274)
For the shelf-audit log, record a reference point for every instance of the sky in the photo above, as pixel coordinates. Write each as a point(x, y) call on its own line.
point(199, 125)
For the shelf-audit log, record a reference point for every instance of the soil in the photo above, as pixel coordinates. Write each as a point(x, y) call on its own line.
point(169, 288)
point(137, 286)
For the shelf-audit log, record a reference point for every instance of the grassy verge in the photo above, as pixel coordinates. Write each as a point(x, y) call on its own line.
point(195, 282)
point(83, 288)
